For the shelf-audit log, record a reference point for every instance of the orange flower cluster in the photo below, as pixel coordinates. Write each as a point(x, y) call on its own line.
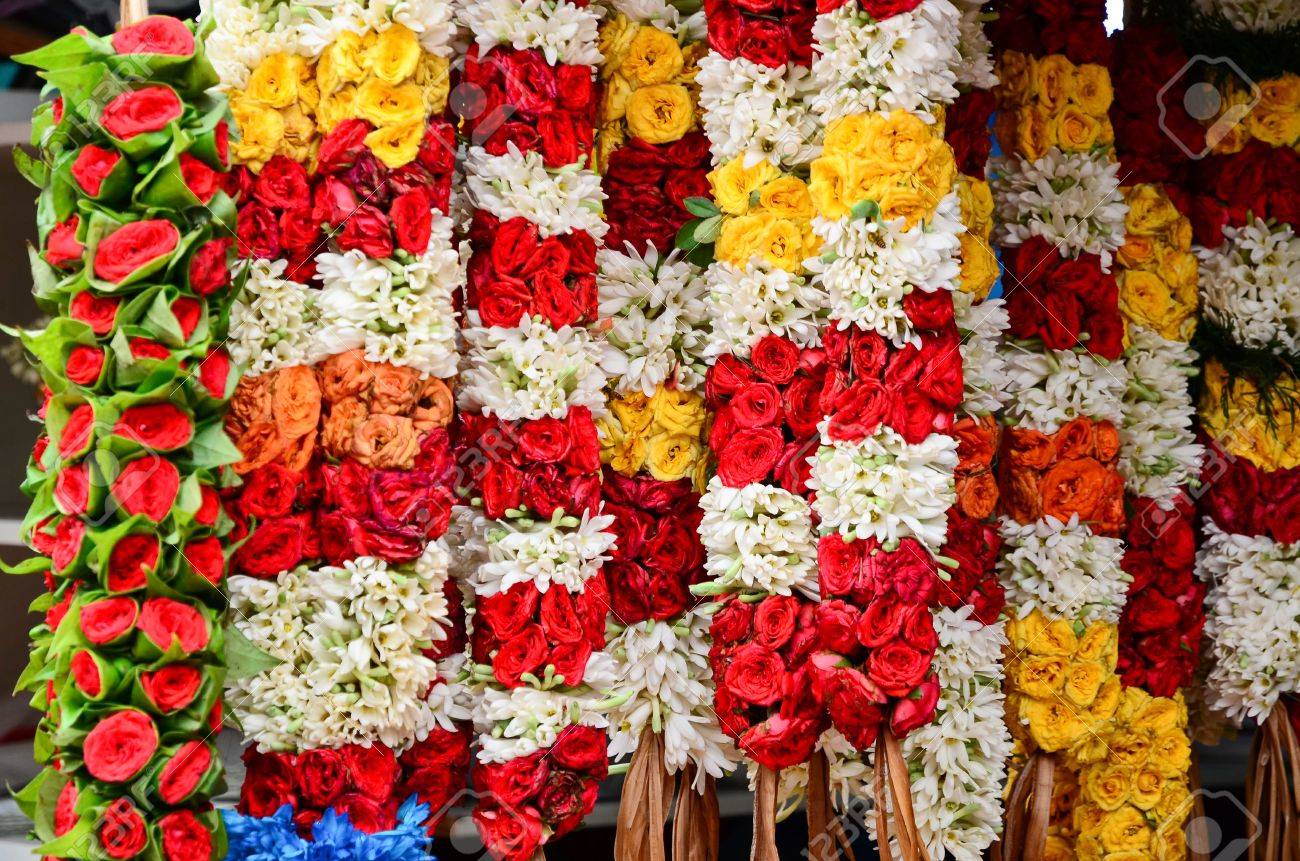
point(1062, 474)
point(977, 488)
point(372, 412)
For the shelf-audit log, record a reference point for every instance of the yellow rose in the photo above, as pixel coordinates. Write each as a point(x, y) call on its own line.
point(1056, 638)
point(1150, 210)
point(1052, 724)
point(1016, 72)
point(1054, 81)
point(1087, 847)
point(1107, 787)
point(334, 109)
point(1035, 132)
point(1088, 816)
point(1058, 849)
point(901, 145)
point(616, 35)
point(434, 80)
point(634, 412)
point(1175, 804)
point(1137, 251)
point(1082, 682)
point(628, 455)
point(1275, 128)
point(786, 197)
point(979, 266)
point(340, 63)
point(388, 105)
point(1098, 640)
point(260, 131)
point(1092, 89)
point(1147, 788)
point(1281, 94)
point(1169, 843)
point(394, 55)
point(1159, 715)
point(276, 80)
point(852, 135)
point(299, 133)
point(1146, 299)
point(608, 141)
point(1125, 830)
point(609, 432)
point(613, 102)
point(1041, 678)
point(1130, 748)
point(976, 201)
point(1101, 708)
point(660, 113)
point(700, 479)
point(396, 145)
point(1076, 131)
point(732, 183)
point(653, 57)
point(938, 172)
point(829, 185)
point(784, 245)
point(677, 411)
point(672, 456)
point(1026, 633)
point(1171, 753)
point(742, 238)
point(911, 206)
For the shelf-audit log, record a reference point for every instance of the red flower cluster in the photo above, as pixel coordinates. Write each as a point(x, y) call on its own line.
point(522, 632)
point(1243, 499)
point(352, 199)
point(366, 783)
point(1074, 28)
point(1064, 303)
point(646, 187)
point(516, 97)
point(1149, 119)
point(1261, 181)
point(658, 555)
point(769, 33)
point(1160, 630)
point(516, 272)
point(967, 131)
point(975, 545)
point(552, 789)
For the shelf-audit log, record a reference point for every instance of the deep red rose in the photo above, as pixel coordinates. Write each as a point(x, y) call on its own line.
point(854, 705)
point(523, 653)
point(172, 687)
point(583, 749)
point(65, 809)
point(84, 365)
point(749, 456)
point(85, 673)
point(897, 667)
point(916, 709)
point(206, 558)
point(340, 148)
point(202, 181)
point(107, 619)
point(77, 431)
point(775, 359)
point(163, 620)
point(732, 623)
point(369, 231)
point(755, 674)
point(92, 166)
point(276, 545)
point(412, 216)
point(774, 621)
point(132, 246)
point(161, 426)
point(283, 184)
point(148, 486)
point(780, 742)
point(321, 775)
point(515, 781)
point(72, 488)
point(121, 829)
point(156, 34)
point(182, 773)
point(756, 405)
point(208, 270)
point(268, 783)
point(373, 769)
point(136, 112)
point(882, 622)
point(508, 833)
point(98, 312)
point(209, 506)
point(837, 623)
point(184, 837)
point(269, 491)
point(558, 615)
point(68, 536)
point(120, 745)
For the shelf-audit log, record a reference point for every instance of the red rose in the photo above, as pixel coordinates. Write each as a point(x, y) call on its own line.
point(412, 220)
point(65, 809)
point(269, 491)
point(582, 749)
point(321, 776)
point(774, 621)
point(897, 667)
point(161, 426)
point(523, 653)
point(209, 506)
point(268, 783)
point(72, 488)
point(858, 411)
point(136, 112)
point(775, 359)
point(283, 184)
point(184, 837)
point(107, 619)
point(756, 405)
point(77, 431)
point(121, 829)
point(276, 545)
point(206, 557)
point(514, 781)
point(172, 687)
point(67, 543)
point(507, 613)
point(755, 675)
point(156, 34)
point(62, 246)
point(85, 673)
point(214, 373)
point(368, 231)
point(764, 42)
point(120, 746)
point(84, 365)
point(780, 742)
point(916, 709)
point(340, 148)
point(373, 769)
point(208, 270)
point(558, 614)
point(97, 312)
point(749, 456)
point(148, 486)
point(92, 166)
point(508, 834)
point(182, 773)
point(132, 246)
point(881, 623)
point(561, 799)
point(854, 706)
point(837, 623)
point(164, 620)
point(202, 181)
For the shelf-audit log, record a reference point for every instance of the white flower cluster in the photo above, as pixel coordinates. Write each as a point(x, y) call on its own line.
point(757, 112)
point(1253, 16)
point(272, 320)
point(351, 640)
point(666, 667)
point(1063, 569)
point(246, 32)
point(663, 16)
point(564, 32)
point(1050, 388)
point(885, 488)
point(532, 371)
point(1248, 285)
point(521, 721)
point(398, 312)
point(906, 61)
point(563, 552)
point(746, 304)
point(975, 49)
point(658, 320)
point(519, 185)
point(875, 264)
point(984, 366)
point(1159, 453)
point(1071, 200)
point(1252, 622)
point(758, 538)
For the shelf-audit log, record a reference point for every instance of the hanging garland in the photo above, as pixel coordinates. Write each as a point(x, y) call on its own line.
point(128, 665)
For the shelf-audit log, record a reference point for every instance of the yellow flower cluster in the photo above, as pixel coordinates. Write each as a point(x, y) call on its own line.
point(1133, 793)
point(1060, 827)
point(662, 435)
point(649, 85)
point(1274, 119)
point(1231, 413)
point(1050, 102)
point(979, 264)
point(1157, 277)
point(385, 78)
point(765, 214)
point(1061, 680)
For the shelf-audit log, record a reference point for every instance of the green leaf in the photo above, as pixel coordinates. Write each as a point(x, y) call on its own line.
point(866, 209)
point(211, 447)
point(701, 206)
point(243, 659)
point(33, 169)
point(706, 232)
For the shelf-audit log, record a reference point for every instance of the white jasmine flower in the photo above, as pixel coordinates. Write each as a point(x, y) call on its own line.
point(565, 551)
point(519, 185)
point(531, 371)
point(564, 32)
point(984, 366)
point(1159, 453)
point(1063, 569)
point(272, 320)
point(758, 538)
point(1253, 16)
point(757, 112)
point(1052, 387)
point(1248, 285)
point(747, 304)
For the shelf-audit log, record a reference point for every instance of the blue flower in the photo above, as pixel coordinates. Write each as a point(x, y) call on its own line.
point(333, 837)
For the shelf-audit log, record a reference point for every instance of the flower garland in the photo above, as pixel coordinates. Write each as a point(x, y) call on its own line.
point(346, 324)
point(536, 536)
point(132, 265)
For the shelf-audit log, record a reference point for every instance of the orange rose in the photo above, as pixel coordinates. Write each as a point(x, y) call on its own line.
point(260, 443)
point(1075, 487)
point(1110, 516)
point(433, 406)
point(386, 442)
point(344, 375)
point(341, 423)
point(393, 389)
point(1074, 440)
point(297, 454)
point(251, 402)
point(1028, 448)
point(1107, 438)
point(976, 441)
point(295, 401)
point(1020, 497)
point(977, 495)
